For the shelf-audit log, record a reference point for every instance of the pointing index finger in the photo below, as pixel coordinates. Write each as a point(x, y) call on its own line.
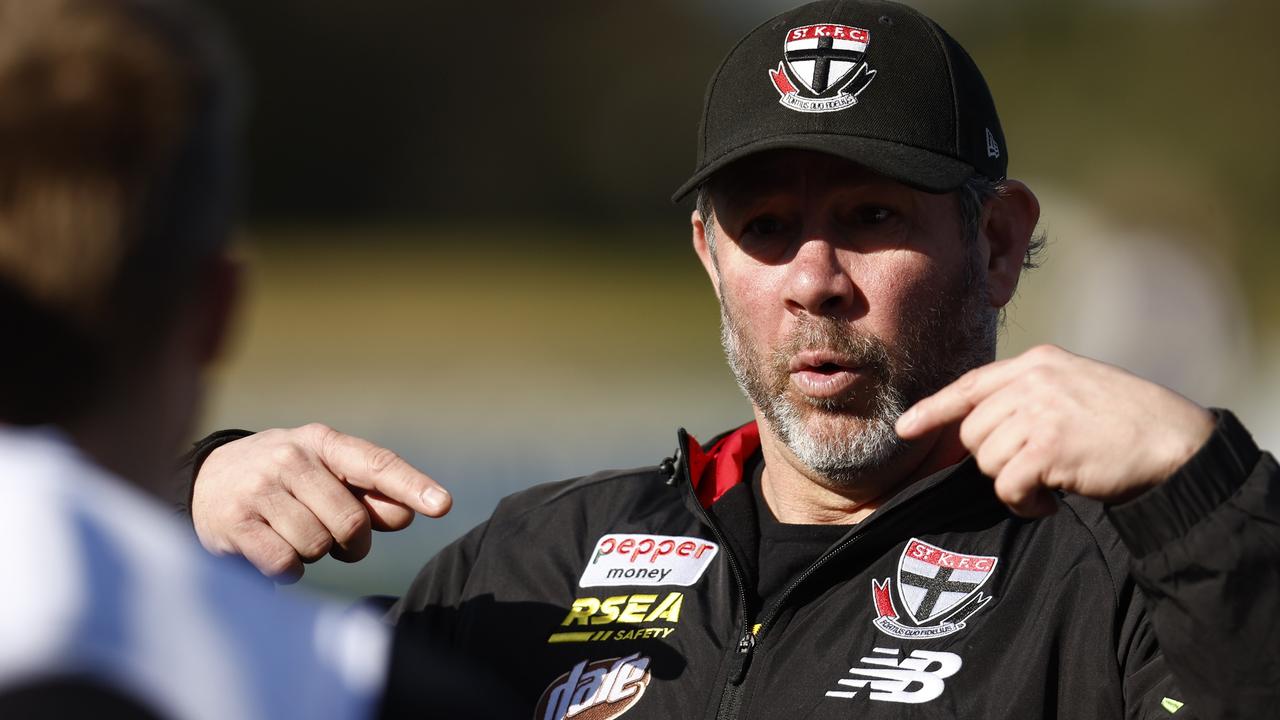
point(952, 403)
point(363, 464)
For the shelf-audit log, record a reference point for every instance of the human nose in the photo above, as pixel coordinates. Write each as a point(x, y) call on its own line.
point(817, 283)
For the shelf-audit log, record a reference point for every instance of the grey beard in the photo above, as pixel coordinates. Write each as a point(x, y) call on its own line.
point(832, 437)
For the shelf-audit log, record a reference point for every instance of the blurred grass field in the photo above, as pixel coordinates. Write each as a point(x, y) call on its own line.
point(496, 357)
point(491, 360)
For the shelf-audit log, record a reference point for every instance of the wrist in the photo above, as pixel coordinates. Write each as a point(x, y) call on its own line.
point(199, 452)
point(1206, 480)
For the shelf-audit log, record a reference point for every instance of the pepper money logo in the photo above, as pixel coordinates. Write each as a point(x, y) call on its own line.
point(938, 588)
point(822, 68)
point(622, 559)
point(595, 689)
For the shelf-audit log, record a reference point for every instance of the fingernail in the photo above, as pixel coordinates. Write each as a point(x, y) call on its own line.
point(435, 498)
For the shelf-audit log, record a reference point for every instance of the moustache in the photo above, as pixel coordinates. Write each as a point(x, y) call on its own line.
point(856, 348)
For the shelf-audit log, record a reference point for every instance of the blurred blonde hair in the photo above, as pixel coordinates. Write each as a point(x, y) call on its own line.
point(117, 120)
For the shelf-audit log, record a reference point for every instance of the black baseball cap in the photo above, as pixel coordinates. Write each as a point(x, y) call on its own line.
point(873, 82)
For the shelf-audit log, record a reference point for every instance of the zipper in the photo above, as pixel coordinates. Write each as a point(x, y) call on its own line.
point(746, 640)
point(731, 697)
point(817, 565)
point(731, 694)
point(799, 579)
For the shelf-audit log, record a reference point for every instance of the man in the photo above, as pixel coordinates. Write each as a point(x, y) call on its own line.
point(117, 128)
point(851, 552)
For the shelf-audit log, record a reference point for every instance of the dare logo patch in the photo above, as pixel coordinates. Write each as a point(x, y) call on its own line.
point(596, 689)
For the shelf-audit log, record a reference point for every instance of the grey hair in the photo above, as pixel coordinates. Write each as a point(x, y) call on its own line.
point(706, 214)
point(973, 195)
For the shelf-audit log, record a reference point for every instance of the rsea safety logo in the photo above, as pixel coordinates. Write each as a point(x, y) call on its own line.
point(596, 619)
point(621, 559)
point(595, 689)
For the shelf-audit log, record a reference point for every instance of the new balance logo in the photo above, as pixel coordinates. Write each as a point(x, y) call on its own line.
point(918, 678)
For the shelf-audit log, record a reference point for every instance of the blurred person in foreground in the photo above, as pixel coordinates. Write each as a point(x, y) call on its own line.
point(117, 127)
point(907, 528)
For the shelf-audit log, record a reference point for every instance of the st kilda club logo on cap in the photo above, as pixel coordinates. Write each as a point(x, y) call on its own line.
point(822, 68)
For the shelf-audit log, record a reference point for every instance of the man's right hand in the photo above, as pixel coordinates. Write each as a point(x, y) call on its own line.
point(282, 498)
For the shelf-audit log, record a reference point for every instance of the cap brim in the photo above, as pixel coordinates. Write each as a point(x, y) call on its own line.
point(921, 169)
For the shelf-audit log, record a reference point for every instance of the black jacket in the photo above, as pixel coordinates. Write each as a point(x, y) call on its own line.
point(617, 594)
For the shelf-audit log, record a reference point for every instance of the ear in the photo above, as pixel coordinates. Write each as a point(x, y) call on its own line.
point(1008, 220)
point(703, 249)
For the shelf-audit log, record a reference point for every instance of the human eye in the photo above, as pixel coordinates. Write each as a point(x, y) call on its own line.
point(873, 215)
point(765, 235)
point(764, 226)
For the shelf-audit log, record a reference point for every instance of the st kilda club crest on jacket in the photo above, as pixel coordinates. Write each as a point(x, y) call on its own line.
point(938, 590)
point(822, 68)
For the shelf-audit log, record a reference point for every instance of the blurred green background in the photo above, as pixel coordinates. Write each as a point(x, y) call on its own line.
point(460, 243)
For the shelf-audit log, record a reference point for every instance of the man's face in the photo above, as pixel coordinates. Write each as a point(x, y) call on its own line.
point(845, 297)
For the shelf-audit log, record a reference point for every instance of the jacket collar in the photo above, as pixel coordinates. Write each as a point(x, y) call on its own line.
point(718, 467)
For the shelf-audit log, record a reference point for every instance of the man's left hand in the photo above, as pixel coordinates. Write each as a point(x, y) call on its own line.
point(1051, 420)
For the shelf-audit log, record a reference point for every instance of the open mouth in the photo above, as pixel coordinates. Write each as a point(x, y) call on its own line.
point(822, 361)
point(823, 374)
